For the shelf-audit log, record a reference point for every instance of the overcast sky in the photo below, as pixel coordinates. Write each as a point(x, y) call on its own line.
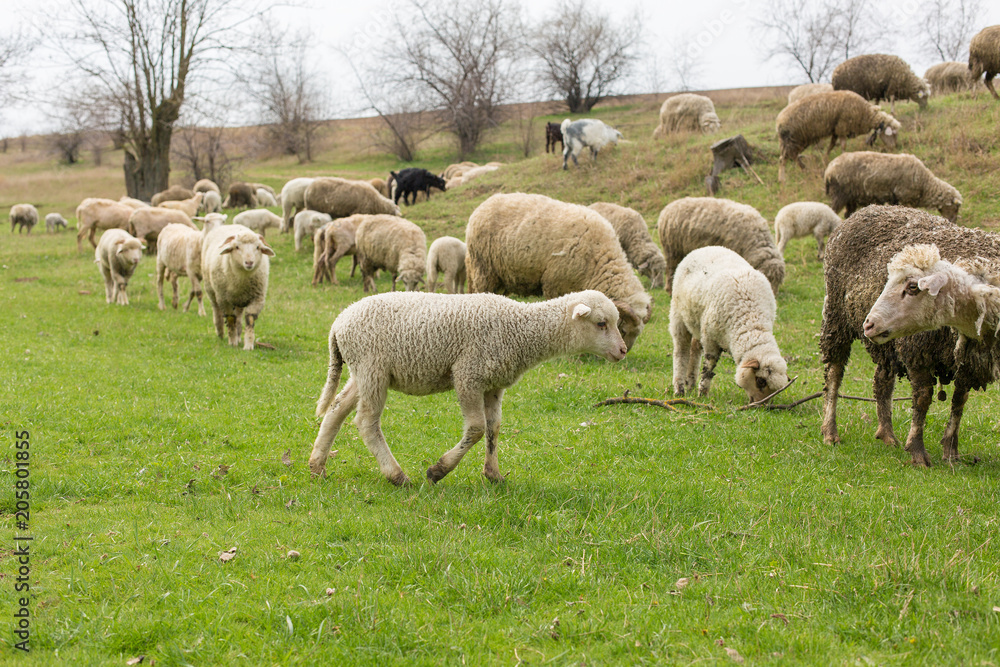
point(730, 44)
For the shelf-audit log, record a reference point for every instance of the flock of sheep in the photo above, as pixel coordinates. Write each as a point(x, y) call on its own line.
point(716, 257)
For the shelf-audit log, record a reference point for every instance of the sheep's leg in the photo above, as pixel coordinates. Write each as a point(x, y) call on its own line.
point(232, 324)
point(492, 402)
point(682, 346)
point(882, 388)
point(334, 418)
point(781, 241)
point(949, 441)
point(109, 284)
point(694, 358)
point(460, 279)
point(355, 264)
point(565, 157)
point(832, 377)
point(195, 292)
point(331, 265)
point(820, 245)
point(989, 84)
point(249, 335)
point(829, 149)
point(371, 402)
point(79, 238)
point(472, 403)
point(173, 283)
point(93, 234)
point(161, 271)
point(781, 170)
point(217, 316)
point(367, 276)
point(712, 352)
point(923, 394)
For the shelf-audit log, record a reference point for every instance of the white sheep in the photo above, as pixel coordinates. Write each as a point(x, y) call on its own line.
point(212, 202)
point(116, 255)
point(306, 224)
point(585, 133)
point(235, 267)
point(447, 254)
point(265, 198)
point(478, 344)
point(391, 244)
point(805, 218)
point(53, 221)
point(259, 220)
point(178, 253)
point(687, 112)
point(21, 216)
point(293, 199)
point(331, 242)
point(719, 303)
point(189, 206)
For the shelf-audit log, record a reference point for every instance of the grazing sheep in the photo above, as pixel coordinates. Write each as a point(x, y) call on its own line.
point(188, 206)
point(147, 223)
point(132, 202)
point(306, 223)
point(331, 242)
point(382, 187)
point(53, 221)
point(116, 256)
point(553, 135)
point(841, 114)
point(293, 200)
point(855, 180)
point(259, 219)
point(805, 218)
point(984, 56)
point(878, 76)
point(457, 168)
point(447, 254)
point(212, 202)
point(391, 244)
point(695, 222)
point(477, 344)
point(178, 253)
point(721, 303)
point(94, 213)
point(633, 234)
point(340, 198)
point(585, 133)
point(857, 257)
point(475, 172)
point(207, 185)
point(950, 77)
point(687, 112)
point(807, 89)
point(21, 216)
point(453, 183)
point(173, 193)
point(264, 186)
point(531, 244)
point(265, 198)
point(235, 266)
point(241, 195)
point(413, 180)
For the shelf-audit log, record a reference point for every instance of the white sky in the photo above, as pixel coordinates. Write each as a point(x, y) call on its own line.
point(732, 56)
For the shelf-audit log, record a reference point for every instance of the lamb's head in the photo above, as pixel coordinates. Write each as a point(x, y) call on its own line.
point(887, 129)
point(633, 317)
point(922, 95)
point(212, 220)
point(924, 293)
point(245, 250)
point(762, 372)
point(411, 279)
point(654, 268)
point(594, 325)
point(129, 252)
point(709, 122)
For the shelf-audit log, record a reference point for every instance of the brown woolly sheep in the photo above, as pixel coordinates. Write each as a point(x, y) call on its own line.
point(207, 185)
point(22, 216)
point(856, 259)
point(838, 115)
point(241, 195)
point(146, 224)
point(950, 77)
point(878, 76)
point(855, 180)
point(695, 222)
point(687, 112)
point(984, 56)
point(807, 89)
point(340, 198)
point(331, 242)
point(173, 193)
point(94, 213)
point(393, 244)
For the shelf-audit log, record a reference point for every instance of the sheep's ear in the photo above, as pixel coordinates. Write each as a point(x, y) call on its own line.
point(643, 266)
point(626, 312)
point(227, 246)
point(871, 138)
point(580, 311)
point(264, 248)
point(889, 131)
point(751, 363)
point(933, 283)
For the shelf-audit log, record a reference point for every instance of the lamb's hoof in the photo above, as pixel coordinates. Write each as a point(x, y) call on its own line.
point(318, 469)
point(494, 476)
point(436, 473)
point(920, 459)
point(887, 437)
point(400, 479)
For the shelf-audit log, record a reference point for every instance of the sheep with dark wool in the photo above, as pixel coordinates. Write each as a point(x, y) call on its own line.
point(879, 76)
point(984, 56)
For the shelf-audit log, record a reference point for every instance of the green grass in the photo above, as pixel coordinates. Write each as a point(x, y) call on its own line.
point(796, 552)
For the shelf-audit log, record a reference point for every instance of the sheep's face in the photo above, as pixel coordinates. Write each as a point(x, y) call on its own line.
point(760, 380)
point(654, 268)
point(710, 123)
point(246, 250)
point(630, 323)
point(411, 280)
point(596, 328)
point(888, 136)
point(950, 210)
point(129, 252)
point(922, 96)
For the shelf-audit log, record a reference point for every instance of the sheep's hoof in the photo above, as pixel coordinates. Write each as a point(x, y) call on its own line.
point(887, 436)
point(494, 475)
point(436, 473)
point(400, 479)
point(318, 469)
point(919, 457)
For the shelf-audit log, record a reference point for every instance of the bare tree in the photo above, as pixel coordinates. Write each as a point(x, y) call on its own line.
point(947, 26)
point(143, 54)
point(583, 55)
point(816, 36)
point(687, 66)
point(14, 50)
point(204, 152)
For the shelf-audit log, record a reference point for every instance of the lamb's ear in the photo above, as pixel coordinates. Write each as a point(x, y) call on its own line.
point(643, 266)
point(751, 363)
point(933, 283)
point(580, 311)
point(264, 248)
point(227, 246)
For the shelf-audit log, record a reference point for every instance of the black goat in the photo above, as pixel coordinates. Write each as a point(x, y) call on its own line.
point(411, 181)
point(553, 133)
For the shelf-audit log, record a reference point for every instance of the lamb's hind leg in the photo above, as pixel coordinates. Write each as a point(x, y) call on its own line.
point(334, 418)
point(989, 84)
point(949, 441)
point(492, 407)
point(882, 387)
point(371, 402)
point(923, 394)
point(710, 359)
point(472, 403)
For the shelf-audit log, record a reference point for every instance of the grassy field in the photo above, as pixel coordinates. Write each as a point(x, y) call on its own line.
point(623, 534)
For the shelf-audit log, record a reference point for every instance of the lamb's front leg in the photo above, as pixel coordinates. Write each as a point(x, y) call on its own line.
point(682, 345)
point(473, 411)
point(711, 358)
point(249, 335)
point(923, 394)
point(492, 406)
point(949, 441)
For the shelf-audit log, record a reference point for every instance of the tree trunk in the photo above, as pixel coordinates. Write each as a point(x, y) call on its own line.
point(149, 173)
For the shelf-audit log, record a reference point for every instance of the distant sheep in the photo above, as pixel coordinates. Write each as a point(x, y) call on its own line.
point(259, 219)
point(477, 344)
point(306, 223)
point(447, 255)
point(633, 233)
point(173, 193)
point(855, 180)
point(331, 242)
point(23, 216)
point(457, 168)
point(207, 185)
point(475, 172)
point(807, 89)
point(382, 187)
point(394, 245)
point(132, 202)
point(93, 214)
point(212, 202)
point(116, 256)
point(586, 133)
point(188, 206)
point(265, 198)
point(340, 198)
point(984, 56)
point(878, 76)
point(687, 112)
point(805, 218)
point(178, 253)
point(53, 221)
point(147, 223)
point(950, 77)
point(241, 195)
point(293, 200)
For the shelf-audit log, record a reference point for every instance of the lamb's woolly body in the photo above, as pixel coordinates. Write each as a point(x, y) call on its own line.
point(687, 112)
point(331, 242)
point(949, 77)
point(306, 223)
point(478, 344)
point(857, 257)
point(723, 303)
point(54, 221)
point(93, 214)
point(633, 235)
point(456, 169)
point(695, 222)
point(805, 218)
point(23, 215)
point(178, 251)
point(838, 115)
point(207, 185)
point(984, 56)
point(855, 180)
point(259, 219)
point(173, 193)
point(293, 199)
point(392, 244)
point(147, 223)
point(188, 206)
point(117, 255)
point(132, 202)
point(531, 244)
point(340, 198)
point(584, 133)
point(807, 89)
point(265, 198)
point(475, 172)
point(879, 76)
point(212, 202)
point(447, 255)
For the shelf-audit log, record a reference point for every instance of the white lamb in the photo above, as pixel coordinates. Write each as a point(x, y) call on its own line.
point(259, 219)
point(719, 303)
point(306, 224)
point(447, 254)
point(235, 266)
point(178, 253)
point(293, 199)
point(211, 202)
point(478, 344)
point(53, 221)
point(265, 198)
point(805, 218)
point(586, 133)
point(117, 254)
